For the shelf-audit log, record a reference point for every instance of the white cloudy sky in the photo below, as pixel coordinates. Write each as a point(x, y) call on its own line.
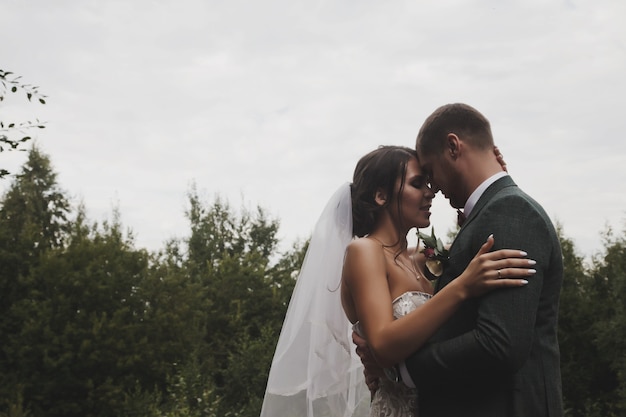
point(272, 102)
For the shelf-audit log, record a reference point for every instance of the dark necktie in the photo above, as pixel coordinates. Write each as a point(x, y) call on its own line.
point(460, 218)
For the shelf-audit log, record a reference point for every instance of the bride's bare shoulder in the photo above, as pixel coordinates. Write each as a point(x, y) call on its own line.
point(364, 251)
point(364, 244)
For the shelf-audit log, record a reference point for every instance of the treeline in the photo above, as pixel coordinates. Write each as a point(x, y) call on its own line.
point(92, 326)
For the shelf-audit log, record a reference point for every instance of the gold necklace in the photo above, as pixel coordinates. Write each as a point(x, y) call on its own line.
point(413, 270)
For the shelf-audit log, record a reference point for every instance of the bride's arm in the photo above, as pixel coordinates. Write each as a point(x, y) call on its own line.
point(391, 341)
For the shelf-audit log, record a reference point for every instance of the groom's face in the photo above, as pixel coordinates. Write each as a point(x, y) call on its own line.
point(442, 176)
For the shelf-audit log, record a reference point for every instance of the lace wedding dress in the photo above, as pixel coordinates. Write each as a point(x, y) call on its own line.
point(396, 399)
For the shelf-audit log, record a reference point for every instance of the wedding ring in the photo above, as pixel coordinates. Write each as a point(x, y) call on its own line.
point(499, 274)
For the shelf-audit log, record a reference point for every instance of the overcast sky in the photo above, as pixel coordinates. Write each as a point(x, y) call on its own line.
point(272, 102)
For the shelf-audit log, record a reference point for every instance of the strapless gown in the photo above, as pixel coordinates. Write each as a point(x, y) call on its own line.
point(396, 399)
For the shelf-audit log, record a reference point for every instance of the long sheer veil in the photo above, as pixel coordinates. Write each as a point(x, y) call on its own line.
point(315, 370)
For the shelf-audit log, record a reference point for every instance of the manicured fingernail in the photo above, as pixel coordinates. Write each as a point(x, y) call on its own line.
point(522, 253)
point(524, 282)
point(531, 262)
point(532, 271)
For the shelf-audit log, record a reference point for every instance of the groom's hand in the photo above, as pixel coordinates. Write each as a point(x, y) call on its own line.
point(372, 372)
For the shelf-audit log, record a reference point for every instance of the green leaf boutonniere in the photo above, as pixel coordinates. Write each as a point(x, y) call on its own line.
point(436, 254)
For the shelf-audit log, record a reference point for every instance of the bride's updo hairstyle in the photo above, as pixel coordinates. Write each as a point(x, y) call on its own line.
point(379, 169)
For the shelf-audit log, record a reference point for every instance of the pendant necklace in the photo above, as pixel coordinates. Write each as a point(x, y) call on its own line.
point(412, 270)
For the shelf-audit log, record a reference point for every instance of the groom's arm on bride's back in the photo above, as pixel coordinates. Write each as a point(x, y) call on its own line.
point(503, 334)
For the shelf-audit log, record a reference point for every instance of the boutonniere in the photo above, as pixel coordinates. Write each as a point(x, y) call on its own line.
point(436, 254)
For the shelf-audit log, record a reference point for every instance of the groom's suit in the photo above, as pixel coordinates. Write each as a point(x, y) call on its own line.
point(498, 355)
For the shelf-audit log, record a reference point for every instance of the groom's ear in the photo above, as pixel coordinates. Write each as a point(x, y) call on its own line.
point(453, 145)
point(380, 197)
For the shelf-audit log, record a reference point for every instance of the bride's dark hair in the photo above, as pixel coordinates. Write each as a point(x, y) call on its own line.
point(379, 169)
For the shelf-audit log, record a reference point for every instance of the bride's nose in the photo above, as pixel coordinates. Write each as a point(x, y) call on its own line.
point(431, 190)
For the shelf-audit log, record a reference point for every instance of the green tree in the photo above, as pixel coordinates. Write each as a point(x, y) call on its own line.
point(609, 325)
point(80, 346)
point(33, 219)
point(246, 297)
point(578, 356)
point(592, 326)
point(34, 212)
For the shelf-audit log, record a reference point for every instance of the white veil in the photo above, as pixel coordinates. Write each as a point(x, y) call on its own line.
point(315, 370)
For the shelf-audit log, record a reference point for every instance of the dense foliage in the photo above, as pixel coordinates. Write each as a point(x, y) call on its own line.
point(92, 326)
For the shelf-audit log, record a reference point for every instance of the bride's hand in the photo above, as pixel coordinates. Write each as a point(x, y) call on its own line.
point(500, 158)
point(498, 269)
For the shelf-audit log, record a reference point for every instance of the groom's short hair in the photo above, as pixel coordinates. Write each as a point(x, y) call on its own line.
point(458, 118)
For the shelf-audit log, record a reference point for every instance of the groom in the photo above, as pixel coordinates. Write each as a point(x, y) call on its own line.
point(498, 355)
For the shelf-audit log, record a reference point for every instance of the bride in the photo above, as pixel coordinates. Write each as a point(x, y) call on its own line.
point(376, 283)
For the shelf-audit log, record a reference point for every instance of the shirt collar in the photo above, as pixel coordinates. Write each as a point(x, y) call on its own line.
point(478, 192)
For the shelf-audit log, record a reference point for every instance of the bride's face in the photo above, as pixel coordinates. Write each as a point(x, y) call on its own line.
point(416, 197)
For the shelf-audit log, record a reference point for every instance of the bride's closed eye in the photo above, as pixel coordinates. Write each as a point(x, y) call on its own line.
point(419, 182)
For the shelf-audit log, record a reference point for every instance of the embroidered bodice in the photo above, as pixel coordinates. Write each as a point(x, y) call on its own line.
point(396, 399)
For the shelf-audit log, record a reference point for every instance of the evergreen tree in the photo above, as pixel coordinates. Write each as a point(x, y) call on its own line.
point(609, 324)
point(33, 219)
point(34, 212)
point(81, 347)
point(578, 358)
point(246, 298)
point(591, 330)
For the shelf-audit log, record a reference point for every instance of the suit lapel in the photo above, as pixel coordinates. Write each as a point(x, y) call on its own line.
point(492, 190)
point(489, 193)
